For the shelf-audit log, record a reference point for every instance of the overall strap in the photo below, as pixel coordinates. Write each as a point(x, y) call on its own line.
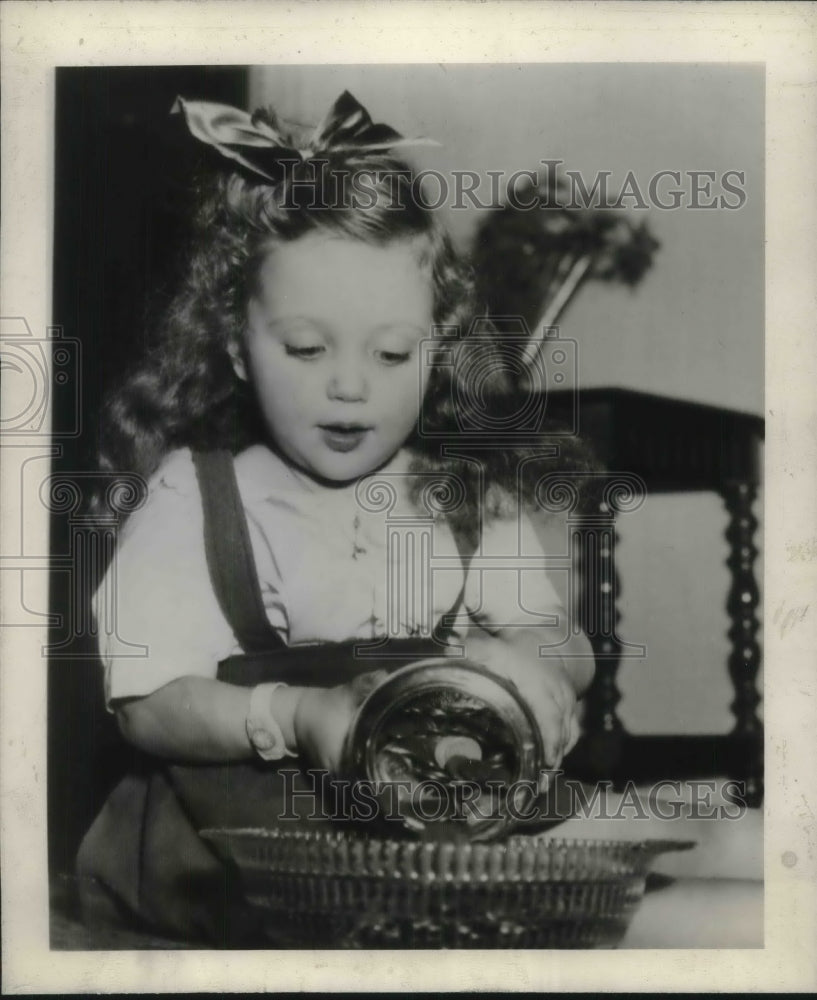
point(229, 553)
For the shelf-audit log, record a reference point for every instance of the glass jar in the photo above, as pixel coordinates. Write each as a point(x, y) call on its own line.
point(447, 748)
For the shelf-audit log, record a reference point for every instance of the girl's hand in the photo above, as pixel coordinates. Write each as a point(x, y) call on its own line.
point(543, 683)
point(323, 717)
point(506, 636)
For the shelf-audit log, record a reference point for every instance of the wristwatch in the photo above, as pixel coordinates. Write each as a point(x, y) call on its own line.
point(263, 731)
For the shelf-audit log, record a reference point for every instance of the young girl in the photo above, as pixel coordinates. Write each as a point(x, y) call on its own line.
point(297, 345)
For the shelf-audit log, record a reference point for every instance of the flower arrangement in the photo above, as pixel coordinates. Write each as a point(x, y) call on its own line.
point(531, 261)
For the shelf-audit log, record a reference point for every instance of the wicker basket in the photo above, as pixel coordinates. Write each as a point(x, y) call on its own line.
point(336, 889)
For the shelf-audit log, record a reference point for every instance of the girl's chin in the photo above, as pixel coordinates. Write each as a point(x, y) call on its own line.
point(338, 468)
point(345, 470)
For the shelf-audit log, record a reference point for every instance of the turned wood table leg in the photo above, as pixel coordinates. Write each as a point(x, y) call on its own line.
point(744, 657)
point(595, 539)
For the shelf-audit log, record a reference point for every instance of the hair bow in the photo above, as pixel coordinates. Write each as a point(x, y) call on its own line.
point(258, 143)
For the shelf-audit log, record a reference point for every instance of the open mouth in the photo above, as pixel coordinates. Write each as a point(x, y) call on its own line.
point(343, 437)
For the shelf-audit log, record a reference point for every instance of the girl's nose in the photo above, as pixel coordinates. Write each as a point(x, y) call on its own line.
point(348, 383)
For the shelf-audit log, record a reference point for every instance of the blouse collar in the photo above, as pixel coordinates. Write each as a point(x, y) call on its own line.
point(265, 475)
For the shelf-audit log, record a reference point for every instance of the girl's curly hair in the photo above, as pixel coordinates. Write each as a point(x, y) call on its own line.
point(185, 392)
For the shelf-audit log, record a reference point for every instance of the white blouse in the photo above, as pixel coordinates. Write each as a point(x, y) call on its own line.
point(333, 563)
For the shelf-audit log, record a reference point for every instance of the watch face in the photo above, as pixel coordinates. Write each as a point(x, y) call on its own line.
point(266, 743)
point(263, 731)
point(262, 739)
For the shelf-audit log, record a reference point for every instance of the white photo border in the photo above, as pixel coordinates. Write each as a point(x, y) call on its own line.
point(36, 38)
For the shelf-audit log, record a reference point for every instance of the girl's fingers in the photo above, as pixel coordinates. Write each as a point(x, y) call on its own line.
point(551, 726)
point(553, 753)
point(561, 696)
point(556, 716)
point(362, 685)
point(573, 737)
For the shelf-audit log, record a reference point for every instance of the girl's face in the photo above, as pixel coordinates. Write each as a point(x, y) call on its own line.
point(332, 346)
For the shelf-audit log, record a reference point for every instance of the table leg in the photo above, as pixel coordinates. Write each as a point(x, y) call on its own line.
point(744, 658)
point(594, 539)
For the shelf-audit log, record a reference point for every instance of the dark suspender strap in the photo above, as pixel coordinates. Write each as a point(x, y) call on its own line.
point(229, 553)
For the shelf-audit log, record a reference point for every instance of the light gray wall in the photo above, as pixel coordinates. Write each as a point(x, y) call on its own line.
point(693, 329)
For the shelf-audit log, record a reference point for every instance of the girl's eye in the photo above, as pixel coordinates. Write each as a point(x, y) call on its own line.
point(304, 353)
point(393, 357)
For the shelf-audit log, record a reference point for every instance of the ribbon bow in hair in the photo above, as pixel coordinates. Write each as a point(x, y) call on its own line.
point(258, 143)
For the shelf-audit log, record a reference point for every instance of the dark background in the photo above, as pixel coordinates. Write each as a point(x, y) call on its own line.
point(122, 176)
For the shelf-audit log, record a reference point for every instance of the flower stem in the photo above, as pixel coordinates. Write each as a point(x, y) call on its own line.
point(556, 307)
